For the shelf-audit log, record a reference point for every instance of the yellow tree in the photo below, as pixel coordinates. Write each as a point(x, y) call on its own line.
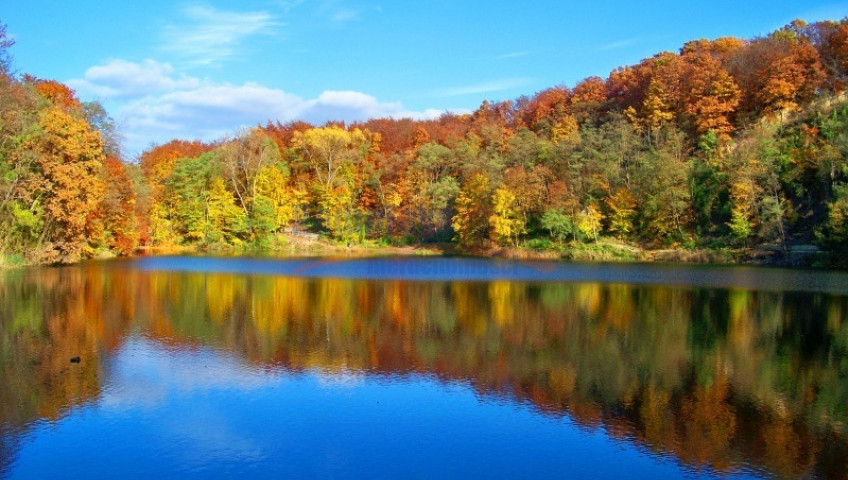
point(622, 208)
point(338, 214)
point(473, 208)
point(657, 107)
point(589, 222)
point(243, 158)
point(70, 154)
point(333, 153)
point(744, 193)
point(662, 95)
point(223, 217)
point(329, 150)
point(566, 131)
point(506, 222)
point(273, 185)
point(160, 228)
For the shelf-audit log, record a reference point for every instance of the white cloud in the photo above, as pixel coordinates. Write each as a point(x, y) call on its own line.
point(120, 78)
point(143, 371)
point(212, 111)
point(347, 105)
point(153, 104)
point(341, 379)
point(485, 87)
point(206, 112)
point(210, 35)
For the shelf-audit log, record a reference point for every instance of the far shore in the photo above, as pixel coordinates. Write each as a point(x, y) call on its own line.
point(605, 251)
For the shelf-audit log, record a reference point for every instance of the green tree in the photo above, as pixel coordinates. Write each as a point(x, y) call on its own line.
point(187, 192)
point(834, 232)
point(243, 162)
point(665, 196)
point(559, 224)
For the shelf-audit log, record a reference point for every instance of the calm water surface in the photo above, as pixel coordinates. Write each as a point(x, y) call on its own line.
point(421, 368)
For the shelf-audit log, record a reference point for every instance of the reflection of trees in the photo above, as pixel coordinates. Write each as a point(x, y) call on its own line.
point(38, 339)
point(716, 377)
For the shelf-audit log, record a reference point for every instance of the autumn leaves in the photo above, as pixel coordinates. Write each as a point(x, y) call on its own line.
point(722, 144)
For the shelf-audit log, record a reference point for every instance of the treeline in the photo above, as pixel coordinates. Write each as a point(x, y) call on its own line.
point(64, 191)
point(728, 143)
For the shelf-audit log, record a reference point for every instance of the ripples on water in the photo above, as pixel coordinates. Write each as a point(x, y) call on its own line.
point(198, 367)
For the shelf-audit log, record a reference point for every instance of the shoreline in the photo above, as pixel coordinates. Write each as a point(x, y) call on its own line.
point(802, 257)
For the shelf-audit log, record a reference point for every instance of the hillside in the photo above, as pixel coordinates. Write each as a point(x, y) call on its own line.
point(731, 144)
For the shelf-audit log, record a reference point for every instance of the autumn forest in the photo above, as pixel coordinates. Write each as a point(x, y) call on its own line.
point(727, 145)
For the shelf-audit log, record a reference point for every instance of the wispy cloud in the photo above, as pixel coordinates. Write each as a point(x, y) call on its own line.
point(485, 87)
point(620, 44)
point(338, 12)
point(344, 15)
point(208, 35)
point(509, 55)
point(288, 5)
point(335, 12)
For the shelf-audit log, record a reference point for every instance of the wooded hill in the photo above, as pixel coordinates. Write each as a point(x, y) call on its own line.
point(728, 143)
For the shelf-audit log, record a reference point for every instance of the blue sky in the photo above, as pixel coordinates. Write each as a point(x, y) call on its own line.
point(166, 69)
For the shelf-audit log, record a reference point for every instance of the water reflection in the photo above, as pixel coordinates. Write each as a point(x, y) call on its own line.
point(480, 269)
point(726, 380)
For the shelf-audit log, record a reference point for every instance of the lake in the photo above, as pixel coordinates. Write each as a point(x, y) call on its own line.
point(193, 367)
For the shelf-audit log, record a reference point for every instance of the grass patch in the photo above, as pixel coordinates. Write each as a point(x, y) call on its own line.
point(604, 252)
point(12, 261)
point(541, 244)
